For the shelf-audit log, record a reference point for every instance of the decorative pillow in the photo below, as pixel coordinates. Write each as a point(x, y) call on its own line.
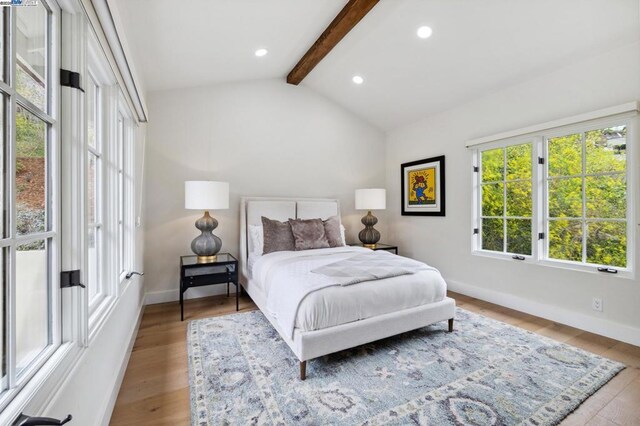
point(333, 232)
point(277, 236)
point(256, 239)
point(308, 234)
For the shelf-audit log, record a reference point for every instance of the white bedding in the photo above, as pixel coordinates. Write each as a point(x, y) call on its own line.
point(277, 274)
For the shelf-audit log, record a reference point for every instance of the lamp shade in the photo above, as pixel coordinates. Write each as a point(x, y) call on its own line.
point(206, 195)
point(371, 199)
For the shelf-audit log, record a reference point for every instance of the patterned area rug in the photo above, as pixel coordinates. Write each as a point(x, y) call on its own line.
point(484, 373)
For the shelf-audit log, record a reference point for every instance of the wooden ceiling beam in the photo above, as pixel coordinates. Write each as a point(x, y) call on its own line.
point(344, 22)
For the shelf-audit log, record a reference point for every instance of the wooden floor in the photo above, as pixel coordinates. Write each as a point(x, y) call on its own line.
point(155, 390)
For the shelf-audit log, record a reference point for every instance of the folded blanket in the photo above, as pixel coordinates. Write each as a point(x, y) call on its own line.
point(375, 265)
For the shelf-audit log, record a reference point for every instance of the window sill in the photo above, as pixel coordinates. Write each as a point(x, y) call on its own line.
point(622, 273)
point(99, 316)
point(41, 388)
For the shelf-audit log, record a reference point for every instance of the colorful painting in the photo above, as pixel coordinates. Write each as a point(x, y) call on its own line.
point(423, 187)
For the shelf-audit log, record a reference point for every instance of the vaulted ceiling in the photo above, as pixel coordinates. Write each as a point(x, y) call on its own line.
point(477, 46)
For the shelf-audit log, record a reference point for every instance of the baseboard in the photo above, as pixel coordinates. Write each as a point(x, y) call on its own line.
point(154, 297)
point(106, 418)
point(603, 327)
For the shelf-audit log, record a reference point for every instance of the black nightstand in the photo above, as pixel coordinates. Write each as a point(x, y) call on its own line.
point(193, 274)
point(379, 246)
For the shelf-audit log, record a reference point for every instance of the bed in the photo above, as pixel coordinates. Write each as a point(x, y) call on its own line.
point(332, 318)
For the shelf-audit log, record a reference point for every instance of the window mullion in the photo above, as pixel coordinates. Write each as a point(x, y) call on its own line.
point(504, 199)
point(11, 183)
point(584, 198)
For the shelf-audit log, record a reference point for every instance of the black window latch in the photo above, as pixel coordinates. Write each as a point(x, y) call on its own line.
point(517, 257)
point(608, 270)
point(24, 420)
point(70, 79)
point(70, 279)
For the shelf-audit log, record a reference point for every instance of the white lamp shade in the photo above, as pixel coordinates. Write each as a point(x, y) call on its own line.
point(371, 199)
point(206, 195)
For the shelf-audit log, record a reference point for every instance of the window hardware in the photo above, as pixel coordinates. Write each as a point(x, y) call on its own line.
point(541, 236)
point(475, 231)
point(132, 273)
point(517, 257)
point(607, 270)
point(540, 160)
point(70, 79)
point(475, 169)
point(70, 279)
point(24, 420)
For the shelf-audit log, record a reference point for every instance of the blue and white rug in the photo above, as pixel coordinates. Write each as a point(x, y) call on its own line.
point(484, 373)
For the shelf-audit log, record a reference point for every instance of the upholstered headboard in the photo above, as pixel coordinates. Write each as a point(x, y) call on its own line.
point(253, 208)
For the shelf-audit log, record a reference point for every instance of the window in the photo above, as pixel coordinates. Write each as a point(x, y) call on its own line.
point(506, 199)
point(587, 197)
point(95, 192)
point(124, 193)
point(56, 197)
point(108, 186)
point(560, 198)
point(30, 312)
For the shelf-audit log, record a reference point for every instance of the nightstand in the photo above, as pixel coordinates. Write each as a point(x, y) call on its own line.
point(379, 246)
point(224, 269)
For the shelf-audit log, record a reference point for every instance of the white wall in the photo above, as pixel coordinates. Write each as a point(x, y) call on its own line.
point(609, 79)
point(265, 138)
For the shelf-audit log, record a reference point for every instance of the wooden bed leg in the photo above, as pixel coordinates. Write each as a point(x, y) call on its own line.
point(303, 370)
point(450, 325)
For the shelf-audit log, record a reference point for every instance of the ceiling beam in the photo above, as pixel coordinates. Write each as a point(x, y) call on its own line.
point(344, 22)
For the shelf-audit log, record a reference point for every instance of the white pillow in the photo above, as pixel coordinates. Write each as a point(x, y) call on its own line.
point(256, 239)
point(342, 230)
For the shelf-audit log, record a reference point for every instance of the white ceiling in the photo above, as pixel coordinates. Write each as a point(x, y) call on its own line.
point(477, 47)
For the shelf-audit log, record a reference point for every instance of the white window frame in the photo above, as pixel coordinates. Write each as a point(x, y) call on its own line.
point(540, 247)
point(16, 385)
point(477, 186)
point(97, 226)
point(125, 190)
point(76, 329)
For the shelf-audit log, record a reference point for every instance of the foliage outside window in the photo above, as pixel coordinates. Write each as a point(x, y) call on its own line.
point(583, 194)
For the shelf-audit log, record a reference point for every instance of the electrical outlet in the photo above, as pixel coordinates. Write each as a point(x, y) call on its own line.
point(596, 304)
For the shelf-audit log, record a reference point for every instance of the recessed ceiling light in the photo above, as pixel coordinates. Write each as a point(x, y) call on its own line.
point(357, 79)
point(425, 32)
point(261, 52)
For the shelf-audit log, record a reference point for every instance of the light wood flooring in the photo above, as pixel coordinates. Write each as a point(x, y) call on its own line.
point(155, 390)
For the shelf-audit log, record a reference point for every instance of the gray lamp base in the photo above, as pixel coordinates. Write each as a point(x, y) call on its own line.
point(206, 245)
point(369, 236)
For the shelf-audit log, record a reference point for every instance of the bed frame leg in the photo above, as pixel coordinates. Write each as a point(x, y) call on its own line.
point(450, 325)
point(303, 370)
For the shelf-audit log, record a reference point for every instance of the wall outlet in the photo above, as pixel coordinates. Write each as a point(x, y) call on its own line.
point(596, 304)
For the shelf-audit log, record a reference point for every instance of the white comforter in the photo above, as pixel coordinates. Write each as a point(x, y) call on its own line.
point(297, 297)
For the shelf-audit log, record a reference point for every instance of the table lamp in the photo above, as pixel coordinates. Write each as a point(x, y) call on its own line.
point(206, 195)
point(370, 199)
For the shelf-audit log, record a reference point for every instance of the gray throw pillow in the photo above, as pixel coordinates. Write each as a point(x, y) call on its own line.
point(277, 236)
point(332, 231)
point(308, 234)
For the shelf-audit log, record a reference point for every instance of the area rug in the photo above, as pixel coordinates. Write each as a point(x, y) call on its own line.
point(484, 373)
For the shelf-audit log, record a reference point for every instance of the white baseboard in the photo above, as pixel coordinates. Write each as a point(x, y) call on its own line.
point(603, 327)
point(154, 297)
point(123, 368)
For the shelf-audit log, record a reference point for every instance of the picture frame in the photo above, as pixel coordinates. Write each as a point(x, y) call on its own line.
point(423, 187)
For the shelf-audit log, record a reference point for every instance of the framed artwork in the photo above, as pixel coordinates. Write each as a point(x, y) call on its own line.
point(423, 187)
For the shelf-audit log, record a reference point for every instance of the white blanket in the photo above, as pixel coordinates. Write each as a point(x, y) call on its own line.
point(286, 279)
